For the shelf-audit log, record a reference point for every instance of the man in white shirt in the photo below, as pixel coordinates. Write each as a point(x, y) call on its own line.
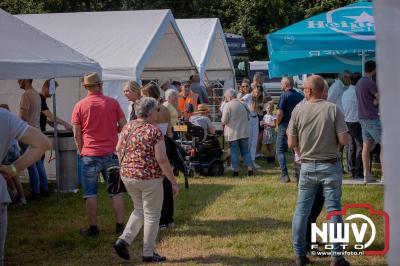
point(350, 111)
point(337, 89)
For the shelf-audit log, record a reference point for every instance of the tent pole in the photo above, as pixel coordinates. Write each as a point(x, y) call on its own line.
point(56, 149)
point(362, 62)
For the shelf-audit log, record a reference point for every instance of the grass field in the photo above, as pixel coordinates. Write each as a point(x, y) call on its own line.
point(219, 221)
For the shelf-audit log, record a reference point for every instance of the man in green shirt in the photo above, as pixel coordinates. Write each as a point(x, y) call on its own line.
point(318, 129)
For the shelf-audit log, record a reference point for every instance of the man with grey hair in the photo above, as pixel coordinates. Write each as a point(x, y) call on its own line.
point(336, 90)
point(228, 94)
point(287, 102)
point(235, 118)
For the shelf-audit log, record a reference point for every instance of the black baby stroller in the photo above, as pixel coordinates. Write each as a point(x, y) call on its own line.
point(204, 156)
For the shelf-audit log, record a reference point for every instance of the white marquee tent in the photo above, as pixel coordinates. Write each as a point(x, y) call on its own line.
point(206, 42)
point(26, 53)
point(129, 45)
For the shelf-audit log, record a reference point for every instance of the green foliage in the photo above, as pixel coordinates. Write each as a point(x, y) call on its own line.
point(21, 6)
point(251, 18)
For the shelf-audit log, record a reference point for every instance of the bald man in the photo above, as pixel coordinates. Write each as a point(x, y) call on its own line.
point(318, 130)
point(287, 102)
point(337, 89)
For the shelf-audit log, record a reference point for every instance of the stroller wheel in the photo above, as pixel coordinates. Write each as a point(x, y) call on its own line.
point(216, 169)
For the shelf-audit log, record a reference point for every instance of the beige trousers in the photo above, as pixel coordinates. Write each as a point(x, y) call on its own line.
point(147, 197)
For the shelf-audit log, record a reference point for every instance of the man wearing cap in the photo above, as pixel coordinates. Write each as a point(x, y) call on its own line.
point(201, 119)
point(186, 99)
point(96, 121)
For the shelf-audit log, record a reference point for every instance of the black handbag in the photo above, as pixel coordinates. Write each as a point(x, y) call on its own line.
point(114, 182)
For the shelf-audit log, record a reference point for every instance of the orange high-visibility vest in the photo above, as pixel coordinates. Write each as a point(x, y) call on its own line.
point(192, 98)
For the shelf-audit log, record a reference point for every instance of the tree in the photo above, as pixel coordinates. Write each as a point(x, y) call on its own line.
point(251, 18)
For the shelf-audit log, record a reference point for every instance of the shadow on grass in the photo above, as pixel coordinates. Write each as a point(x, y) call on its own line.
point(233, 260)
point(198, 197)
point(218, 228)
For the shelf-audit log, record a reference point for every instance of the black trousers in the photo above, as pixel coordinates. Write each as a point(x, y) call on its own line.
point(167, 212)
point(355, 152)
point(315, 212)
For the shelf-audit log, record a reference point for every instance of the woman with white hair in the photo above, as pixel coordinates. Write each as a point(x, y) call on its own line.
point(144, 163)
point(235, 118)
point(171, 97)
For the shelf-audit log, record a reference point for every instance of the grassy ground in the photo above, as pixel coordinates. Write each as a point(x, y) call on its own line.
point(220, 221)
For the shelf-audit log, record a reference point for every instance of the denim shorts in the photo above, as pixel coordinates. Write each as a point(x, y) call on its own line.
point(371, 130)
point(92, 166)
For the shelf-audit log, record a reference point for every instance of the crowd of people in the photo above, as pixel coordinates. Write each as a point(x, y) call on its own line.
point(315, 124)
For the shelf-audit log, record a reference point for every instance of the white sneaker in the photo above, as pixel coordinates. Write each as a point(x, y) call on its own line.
point(22, 202)
point(256, 166)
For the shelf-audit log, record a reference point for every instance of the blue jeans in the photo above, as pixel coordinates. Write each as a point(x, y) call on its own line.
point(92, 166)
point(79, 169)
point(371, 130)
point(311, 176)
point(240, 146)
point(281, 149)
point(253, 139)
point(37, 174)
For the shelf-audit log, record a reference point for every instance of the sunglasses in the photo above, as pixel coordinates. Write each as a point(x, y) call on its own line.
point(246, 86)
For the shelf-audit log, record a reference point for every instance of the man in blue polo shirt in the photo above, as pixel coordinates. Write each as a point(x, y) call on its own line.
point(287, 101)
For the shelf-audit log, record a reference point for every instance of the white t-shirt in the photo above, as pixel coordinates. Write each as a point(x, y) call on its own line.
point(268, 119)
point(248, 99)
point(335, 93)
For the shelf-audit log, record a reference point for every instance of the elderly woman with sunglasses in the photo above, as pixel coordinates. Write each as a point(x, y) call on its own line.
point(144, 163)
